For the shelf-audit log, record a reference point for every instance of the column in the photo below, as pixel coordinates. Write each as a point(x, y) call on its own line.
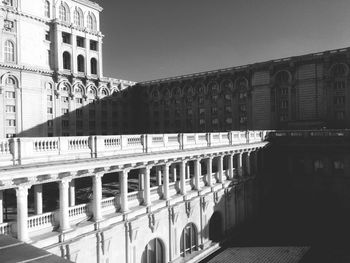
point(38, 199)
point(141, 182)
point(239, 165)
point(188, 170)
point(197, 173)
point(97, 196)
point(123, 179)
point(230, 166)
point(72, 193)
point(174, 171)
point(209, 171)
point(159, 175)
point(220, 169)
point(248, 166)
point(1, 206)
point(147, 191)
point(166, 181)
point(22, 213)
point(182, 177)
point(64, 205)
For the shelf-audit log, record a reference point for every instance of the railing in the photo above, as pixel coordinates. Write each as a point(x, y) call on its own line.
point(133, 196)
point(79, 210)
point(32, 150)
point(41, 221)
point(5, 229)
point(309, 133)
point(108, 202)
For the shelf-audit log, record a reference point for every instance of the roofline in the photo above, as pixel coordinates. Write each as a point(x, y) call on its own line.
point(90, 4)
point(236, 68)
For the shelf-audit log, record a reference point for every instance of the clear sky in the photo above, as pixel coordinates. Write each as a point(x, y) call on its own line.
point(151, 39)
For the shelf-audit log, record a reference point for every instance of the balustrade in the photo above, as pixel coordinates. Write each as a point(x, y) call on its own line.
point(5, 229)
point(79, 211)
point(41, 221)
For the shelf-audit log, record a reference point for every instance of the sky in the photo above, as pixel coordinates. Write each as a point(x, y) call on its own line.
point(153, 39)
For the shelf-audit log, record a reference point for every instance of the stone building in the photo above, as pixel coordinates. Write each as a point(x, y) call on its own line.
point(309, 91)
point(51, 70)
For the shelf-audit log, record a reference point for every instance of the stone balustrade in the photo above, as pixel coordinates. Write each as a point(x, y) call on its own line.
point(5, 229)
point(17, 151)
point(308, 133)
point(37, 222)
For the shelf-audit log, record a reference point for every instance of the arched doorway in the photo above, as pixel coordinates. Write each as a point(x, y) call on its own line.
point(216, 228)
point(153, 252)
point(188, 242)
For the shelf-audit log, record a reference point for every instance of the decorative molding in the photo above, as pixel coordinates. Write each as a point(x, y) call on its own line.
point(153, 222)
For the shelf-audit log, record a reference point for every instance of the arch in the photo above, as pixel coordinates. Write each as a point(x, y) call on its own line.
point(9, 51)
point(154, 252)
point(177, 92)
point(47, 9)
point(64, 86)
point(81, 63)
point(91, 91)
point(283, 77)
point(67, 61)
point(93, 66)
point(78, 88)
point(339, 70)
point(78, 17)
point(64, 12)
point(226, 85)
point(91, 22)
point(216, 231)
point(103, 91)
point(213, 87)
point(189, 240)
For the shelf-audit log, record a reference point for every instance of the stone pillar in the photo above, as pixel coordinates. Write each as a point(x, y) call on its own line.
point(72, 193)
point(174, 172)
point(64, 205)
point(97, 196)
point(38, 199)
point(141, 181)
point(166, 181)
point(123, 179)
point(209, 171)
point(159, 175)
point(22, 213)
point(248, 164)
point(230, 166)
point(220, 169)
point(1, 206)
point(182, 177)
point(197, 173)
point(147, 190)
point(239, 165)
point(188, 170)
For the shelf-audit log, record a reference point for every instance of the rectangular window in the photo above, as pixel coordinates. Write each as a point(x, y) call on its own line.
point(64, 99)
point(50, 123)
point(10, 123)
point(339, 100)
point(340, 115)
point(10, 94)
point(49, 97)
point(49, 110)
point(65, 111)
point(243, 107)
point(93, 45)
point(47, 36)
point(79, 112)
point(10, 108)
point(10, 135)
point(66, 38)
point(80, 42)
point(79, 100)
point(284, 104)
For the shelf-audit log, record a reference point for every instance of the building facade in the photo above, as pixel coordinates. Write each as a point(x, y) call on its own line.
point(51, 73)
point(309, 91)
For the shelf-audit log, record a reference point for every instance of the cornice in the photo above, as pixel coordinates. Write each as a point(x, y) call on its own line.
point(26, 68)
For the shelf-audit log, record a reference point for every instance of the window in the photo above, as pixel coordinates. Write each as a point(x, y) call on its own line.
point(9, 51)
point(338, 165)
point(339, 85)
point(49, 97)
point(91, 22)
point(318, 165)
point(79, 124)
point(65, 123)
point(65, 111)
point(66, 60)
point(284, 104)
point(93, 45)
point(10, 109)
point(214, 110)
point(79, 100)
point(47, 35)
point(243, 107)
point(64, 99)
point(284, 117)
point(64, 13)
point(81, 63)
point(78, 17)
point(66, 38)
point(47, 9)
point(153, 252)
point(340, 115)
point(79, 112)
point(339, 100)
point(242, 119)
point(10, 123)
point(228, 109)
point(10, 94)
point(80, 42)
point(188, 241)
point(93, 65)
point(50, 123)
point(9, 25)
point(10, 135)
point(49, 110)
point(243, 95)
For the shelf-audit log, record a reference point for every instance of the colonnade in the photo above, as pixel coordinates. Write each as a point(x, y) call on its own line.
point(239, 165)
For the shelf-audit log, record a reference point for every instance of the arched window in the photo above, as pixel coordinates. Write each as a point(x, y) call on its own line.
point(64, 13)
point(93, 66)
point(188, 242)
point(9, 51)
point(66, 60)
point(91, 22)
point(153, 252)
point(81, 63)
point(47, 9)
point(78, 17)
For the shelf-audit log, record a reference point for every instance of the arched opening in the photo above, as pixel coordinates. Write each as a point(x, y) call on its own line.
point(93, 65)
point(47, 9)
point(66, 60)
point(81, 63)
point(9, 51)
point(216, 231)
point(188, 242)
point(153, 252)
point(91, 22)
point(64, 13)
point(78, 17)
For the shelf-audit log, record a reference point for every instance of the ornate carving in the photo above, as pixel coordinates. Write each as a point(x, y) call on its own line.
point(132, 232)
point(174, 214)
point(189, 209)
point(153, 222)
point(204, 203)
